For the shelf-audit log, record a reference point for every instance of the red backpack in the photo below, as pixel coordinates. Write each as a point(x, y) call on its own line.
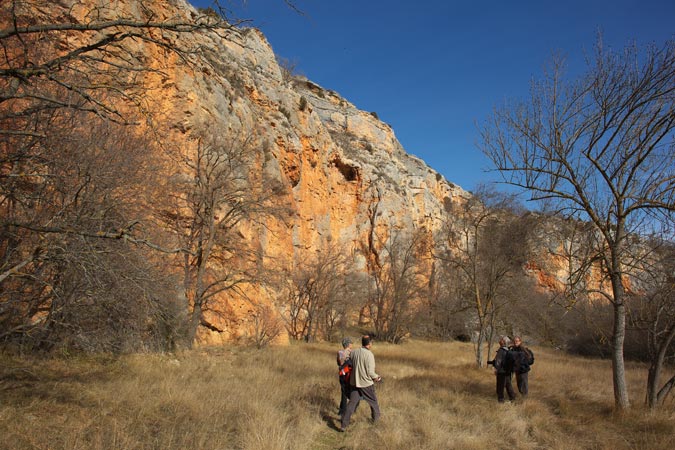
point(346, 371)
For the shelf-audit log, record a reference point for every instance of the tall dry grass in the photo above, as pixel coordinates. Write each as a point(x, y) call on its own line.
point(286, 398)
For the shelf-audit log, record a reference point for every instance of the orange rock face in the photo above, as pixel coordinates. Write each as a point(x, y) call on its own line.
point(338, 174)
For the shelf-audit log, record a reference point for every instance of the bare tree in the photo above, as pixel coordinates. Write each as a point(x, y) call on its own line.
point(63, 252)
point(267, 326)
point(347, 303)
point(598, 149)
point(319, 294)
point(481, 242)
point(69, 73)
point(217, 195)
point(444, 314)
point(295, 315)
point(652, 310)
point(398, 271)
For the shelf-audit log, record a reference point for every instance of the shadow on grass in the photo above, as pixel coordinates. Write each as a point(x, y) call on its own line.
point(405, 360)
point(321, 350)
point(51, 379)
point(332, 421)
point(429, 381)
point(581, 408)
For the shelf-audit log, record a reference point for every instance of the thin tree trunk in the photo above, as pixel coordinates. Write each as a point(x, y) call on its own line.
point(195, 320)
point(655, 394)
point(665, 390)
point(490, 339)
point(621, 400)
point(652, 379)
point(479, 348)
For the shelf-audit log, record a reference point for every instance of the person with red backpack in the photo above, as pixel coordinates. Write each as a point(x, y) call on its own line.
point(344, 363)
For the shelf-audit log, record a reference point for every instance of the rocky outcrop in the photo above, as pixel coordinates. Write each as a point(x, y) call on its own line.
point(338, 173)
point(332, 158)
point(342, 171)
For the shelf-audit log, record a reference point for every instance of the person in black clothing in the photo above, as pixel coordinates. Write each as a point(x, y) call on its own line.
point(523, 358)
point(343, 358)
point(503, 365)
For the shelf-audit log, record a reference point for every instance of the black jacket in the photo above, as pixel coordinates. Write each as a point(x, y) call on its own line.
point(522, 359)
point(503, 361)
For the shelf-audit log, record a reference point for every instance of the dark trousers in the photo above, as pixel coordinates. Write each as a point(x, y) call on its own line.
point(521, 381)
point(504, 381)
point(355, 396)
point(344, 396)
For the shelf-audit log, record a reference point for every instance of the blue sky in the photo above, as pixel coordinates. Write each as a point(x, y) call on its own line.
point(432, 69)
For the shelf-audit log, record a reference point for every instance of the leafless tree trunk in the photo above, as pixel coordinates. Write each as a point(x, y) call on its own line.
point(653, 311)
point(216, 196)
point(481, 242)
point(320, 293)
point(397, 269)
point(598, 149)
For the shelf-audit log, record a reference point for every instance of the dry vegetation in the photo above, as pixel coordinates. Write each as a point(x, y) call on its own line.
point(286, 398)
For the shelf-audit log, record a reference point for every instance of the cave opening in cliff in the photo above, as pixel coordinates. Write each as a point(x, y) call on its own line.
point(349, 172)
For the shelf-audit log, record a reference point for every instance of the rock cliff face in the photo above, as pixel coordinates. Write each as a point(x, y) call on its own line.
point(182, 81)
point(333, 160)
point(339, 173)
point(342, 172)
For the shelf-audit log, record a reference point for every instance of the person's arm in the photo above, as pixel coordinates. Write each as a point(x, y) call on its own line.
point(370, 368)
point(341, 357)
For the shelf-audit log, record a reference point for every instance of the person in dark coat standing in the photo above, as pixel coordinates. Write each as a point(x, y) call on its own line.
point(523, 358)
point(343, 358)
point(503, 365)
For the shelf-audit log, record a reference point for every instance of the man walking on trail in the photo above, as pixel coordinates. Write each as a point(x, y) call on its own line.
point(362, 380)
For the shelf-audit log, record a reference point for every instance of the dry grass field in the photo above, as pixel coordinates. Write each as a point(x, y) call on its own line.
point(286, 398)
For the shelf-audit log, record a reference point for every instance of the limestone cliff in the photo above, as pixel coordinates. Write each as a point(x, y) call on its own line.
point(342, 171)
point(333, 159)
point(339, 173)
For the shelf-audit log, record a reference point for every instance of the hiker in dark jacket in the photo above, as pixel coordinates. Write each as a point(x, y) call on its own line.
point(343, 358)
point(503, 365)
point(523, 358)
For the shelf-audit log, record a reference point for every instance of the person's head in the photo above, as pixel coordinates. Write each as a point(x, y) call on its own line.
point(503, 341)
point(366, 341)
point(517, 341)
point(346, 342)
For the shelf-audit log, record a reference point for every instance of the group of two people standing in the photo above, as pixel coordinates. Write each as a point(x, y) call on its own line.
point(357, 379)
point(514, 359)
